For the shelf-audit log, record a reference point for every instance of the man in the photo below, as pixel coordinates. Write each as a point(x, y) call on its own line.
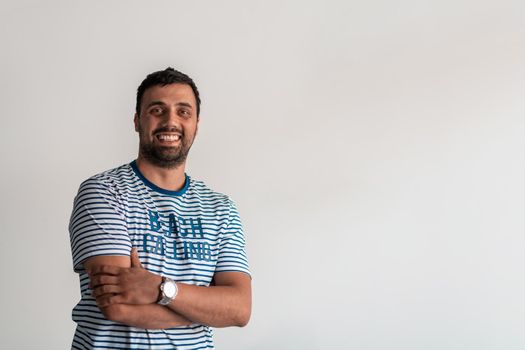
point(160, 256)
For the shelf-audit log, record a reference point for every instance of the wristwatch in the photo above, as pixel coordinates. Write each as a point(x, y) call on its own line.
point(168, 291)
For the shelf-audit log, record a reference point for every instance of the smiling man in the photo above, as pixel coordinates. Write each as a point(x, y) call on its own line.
point(160, 256)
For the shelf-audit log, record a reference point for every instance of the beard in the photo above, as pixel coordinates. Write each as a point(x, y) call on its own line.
point(163, 156)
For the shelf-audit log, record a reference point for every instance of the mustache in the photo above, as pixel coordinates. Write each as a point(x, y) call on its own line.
point(168, 129)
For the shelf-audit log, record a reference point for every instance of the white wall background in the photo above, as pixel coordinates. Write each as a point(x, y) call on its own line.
point(374, 148)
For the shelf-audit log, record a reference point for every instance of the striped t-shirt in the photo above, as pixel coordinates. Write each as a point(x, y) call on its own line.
point(187, 235)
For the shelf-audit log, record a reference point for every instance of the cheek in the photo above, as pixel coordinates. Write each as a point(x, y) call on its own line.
point(145, 128)
point(144, 135)
point(194, 128)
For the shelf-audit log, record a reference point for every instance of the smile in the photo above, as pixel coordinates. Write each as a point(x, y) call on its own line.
point(168, 137)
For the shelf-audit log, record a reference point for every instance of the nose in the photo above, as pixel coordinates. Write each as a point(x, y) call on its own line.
point(172, 117)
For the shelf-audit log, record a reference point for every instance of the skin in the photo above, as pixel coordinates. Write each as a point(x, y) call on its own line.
point(170, 107)
point(124, 290)
point(148, 316)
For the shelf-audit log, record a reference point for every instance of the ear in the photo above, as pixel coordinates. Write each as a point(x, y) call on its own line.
point(197, 126)
point(136, 122)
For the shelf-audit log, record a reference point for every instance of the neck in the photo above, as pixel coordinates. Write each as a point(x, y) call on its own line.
point(168, 179)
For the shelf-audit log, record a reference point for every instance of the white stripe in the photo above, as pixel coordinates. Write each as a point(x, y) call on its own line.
point(112, 213)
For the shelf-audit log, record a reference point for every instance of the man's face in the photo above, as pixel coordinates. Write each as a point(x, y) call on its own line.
point(167, 124)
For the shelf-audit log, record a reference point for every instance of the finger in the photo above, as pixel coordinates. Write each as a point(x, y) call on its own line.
point(99, 280)
point(135, 260)
point(106, 289)
point(105, 269)
point(109, 299)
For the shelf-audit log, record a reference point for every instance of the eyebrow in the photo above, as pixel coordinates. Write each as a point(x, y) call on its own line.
point(185, 104)
point(160, 103)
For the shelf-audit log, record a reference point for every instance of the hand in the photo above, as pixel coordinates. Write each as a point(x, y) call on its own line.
point(120, 285)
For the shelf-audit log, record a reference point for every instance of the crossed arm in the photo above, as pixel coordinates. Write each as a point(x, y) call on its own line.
point(127, 293)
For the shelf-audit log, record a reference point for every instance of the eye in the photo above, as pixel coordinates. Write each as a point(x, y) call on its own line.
point(184, 113)
point(155, 111)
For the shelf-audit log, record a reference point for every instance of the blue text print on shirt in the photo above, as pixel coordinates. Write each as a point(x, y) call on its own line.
point(183, 239)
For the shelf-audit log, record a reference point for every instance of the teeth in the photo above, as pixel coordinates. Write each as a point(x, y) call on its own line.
point(169, 137)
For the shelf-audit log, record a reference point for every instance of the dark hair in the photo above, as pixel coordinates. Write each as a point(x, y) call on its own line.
point(163, 78)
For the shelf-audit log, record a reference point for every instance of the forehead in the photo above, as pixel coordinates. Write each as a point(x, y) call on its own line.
point(169, 94)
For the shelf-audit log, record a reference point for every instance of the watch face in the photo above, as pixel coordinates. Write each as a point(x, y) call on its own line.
point(169, 289)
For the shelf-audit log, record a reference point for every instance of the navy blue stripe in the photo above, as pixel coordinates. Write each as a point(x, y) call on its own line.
point(112, 213)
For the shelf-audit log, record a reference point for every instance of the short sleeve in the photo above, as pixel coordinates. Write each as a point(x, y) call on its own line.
point(232, 254)
point(98, 224)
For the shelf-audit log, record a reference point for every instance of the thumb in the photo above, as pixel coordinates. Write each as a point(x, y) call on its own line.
point(135, 261)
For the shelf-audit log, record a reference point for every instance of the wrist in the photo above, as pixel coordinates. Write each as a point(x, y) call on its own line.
point(158, 282)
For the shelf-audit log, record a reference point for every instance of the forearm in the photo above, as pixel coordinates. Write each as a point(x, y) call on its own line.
point(226, 303)
point(216, 306)
point(149, 316)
